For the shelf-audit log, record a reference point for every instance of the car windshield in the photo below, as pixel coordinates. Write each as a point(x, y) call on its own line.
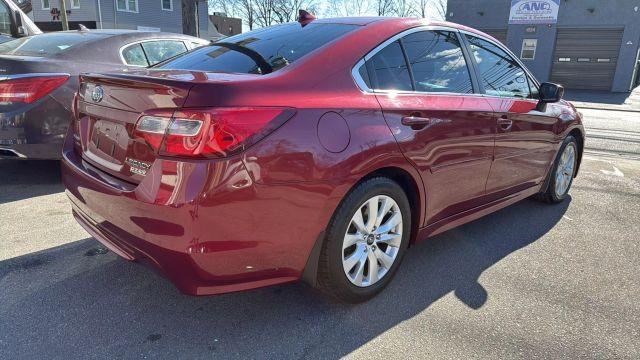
point(46, 44)
point(261, 51)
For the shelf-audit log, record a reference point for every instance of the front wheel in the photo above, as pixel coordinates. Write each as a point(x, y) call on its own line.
point(562, 173)
point(365, 241)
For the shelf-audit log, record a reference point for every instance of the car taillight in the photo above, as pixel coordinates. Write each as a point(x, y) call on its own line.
point(29, 89)
point(75, 119)
point(209, 132)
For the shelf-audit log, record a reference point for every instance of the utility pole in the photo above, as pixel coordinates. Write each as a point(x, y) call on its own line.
point(63, 15)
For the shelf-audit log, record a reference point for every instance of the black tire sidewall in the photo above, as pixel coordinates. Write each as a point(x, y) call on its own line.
point(335, 237)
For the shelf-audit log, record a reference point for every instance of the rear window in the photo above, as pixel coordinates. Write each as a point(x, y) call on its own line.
point(45, 44)
point(260, 51)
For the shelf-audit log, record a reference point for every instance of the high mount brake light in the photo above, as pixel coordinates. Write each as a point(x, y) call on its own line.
point(29, 89)
point(205, 133)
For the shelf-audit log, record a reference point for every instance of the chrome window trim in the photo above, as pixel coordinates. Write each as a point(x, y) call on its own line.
point(364, 88)
point(355, 71)
point(123, 47)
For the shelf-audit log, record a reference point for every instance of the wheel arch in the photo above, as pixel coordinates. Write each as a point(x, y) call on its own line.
point(578, 134)
point(413, 188)
point(410, 186)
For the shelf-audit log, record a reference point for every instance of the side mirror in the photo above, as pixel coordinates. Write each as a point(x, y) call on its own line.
point(550, 92)
point(17, 16)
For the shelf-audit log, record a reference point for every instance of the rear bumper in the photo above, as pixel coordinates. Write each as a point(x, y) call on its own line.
point(33, 131)
point(52, 151)
point(206, 225)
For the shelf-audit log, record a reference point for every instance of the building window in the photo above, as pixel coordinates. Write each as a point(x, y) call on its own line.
point(127, 5)
point(604, 60)
point(564, 59)
point(46, 5)
point(584, 59)
point(75, 4)
point(529, 49)
point(167, 5)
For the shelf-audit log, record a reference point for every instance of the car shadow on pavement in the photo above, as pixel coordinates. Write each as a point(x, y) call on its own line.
point(22, 179)
point(75, 302)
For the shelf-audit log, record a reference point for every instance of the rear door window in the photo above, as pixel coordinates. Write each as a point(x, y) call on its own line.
point(437, 62)
point(261, 51)
point(157, 51)
point(133, 55)
point(152, 52)
point(499, 73)
point(390, 69)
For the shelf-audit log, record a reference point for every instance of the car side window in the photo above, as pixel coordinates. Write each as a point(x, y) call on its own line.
point(499, 73)
point(157, 51)
point(437, 62)
point(134, 55)
point(5, 19)
point(390, 69)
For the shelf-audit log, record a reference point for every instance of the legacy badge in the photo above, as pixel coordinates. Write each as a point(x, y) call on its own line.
point(137, 167)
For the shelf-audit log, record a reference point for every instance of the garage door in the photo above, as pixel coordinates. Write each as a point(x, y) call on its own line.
point(499, 34)
point(586, 58)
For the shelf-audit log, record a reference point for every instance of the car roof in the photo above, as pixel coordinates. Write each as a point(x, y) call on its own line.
point(352, 20)
point(97, 45)
point(400, 21)
point(409, 22)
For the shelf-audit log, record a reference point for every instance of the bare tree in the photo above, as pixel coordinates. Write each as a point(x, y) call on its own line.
point(404, 8)
point(384, 7)
point(440, 9)
point(225, 6)
point(246, 10)
point(265, 12)
point(435, 9)
point(348, 7)
point(287, 10)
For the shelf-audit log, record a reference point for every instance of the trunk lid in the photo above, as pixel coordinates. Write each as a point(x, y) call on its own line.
point(13, 64)
point(108, 109)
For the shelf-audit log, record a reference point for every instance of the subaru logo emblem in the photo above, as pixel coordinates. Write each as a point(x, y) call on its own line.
point(97, 94)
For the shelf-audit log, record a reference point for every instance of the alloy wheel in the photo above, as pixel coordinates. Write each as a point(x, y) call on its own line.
point(564, 172)
point(372, 241)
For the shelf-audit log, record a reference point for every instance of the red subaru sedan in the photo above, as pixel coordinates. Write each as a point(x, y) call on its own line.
point(316, 151)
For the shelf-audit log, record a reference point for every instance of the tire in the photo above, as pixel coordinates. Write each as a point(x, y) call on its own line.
point(556, 190)
point(374, 249)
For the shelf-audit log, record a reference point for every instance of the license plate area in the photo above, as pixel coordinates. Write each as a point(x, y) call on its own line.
point(108, 141)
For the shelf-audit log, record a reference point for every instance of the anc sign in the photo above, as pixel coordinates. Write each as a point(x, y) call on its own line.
point(534, 11)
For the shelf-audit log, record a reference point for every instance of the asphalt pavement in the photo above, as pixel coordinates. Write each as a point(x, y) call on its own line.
point(530, 281)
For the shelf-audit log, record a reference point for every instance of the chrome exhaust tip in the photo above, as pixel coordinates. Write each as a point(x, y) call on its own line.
point(6, 152)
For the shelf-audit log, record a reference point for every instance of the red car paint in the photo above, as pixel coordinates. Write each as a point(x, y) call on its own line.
point(215, 225)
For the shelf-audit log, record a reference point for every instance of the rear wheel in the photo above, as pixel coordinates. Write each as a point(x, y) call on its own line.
point(365, 241)
point(562, 173)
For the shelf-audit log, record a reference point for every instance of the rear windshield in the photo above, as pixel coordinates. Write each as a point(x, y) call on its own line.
point(260, 51)
point(45, 44)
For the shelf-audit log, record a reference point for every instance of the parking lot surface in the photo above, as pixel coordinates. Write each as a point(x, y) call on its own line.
point(530, 281)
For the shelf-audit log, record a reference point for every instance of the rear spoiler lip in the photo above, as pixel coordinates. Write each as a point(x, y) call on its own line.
point(200, 77)
point(140, 81)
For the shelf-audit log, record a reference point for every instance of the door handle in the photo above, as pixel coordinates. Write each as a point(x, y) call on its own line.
point(416, 121)
point(504, 123)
